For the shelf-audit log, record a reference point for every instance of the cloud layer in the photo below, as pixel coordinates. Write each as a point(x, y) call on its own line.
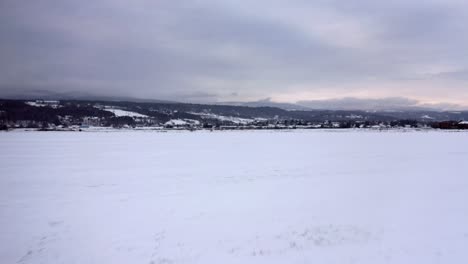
point(237, 50)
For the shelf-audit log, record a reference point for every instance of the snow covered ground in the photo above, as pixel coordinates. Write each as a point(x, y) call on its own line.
point(235, 120)
point(120, 112)
point(234, 197)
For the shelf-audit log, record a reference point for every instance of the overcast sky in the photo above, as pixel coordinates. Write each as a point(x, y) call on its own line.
point(234, 50)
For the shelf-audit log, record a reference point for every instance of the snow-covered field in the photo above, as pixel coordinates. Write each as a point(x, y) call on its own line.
point(234, 197)
point(120, 112)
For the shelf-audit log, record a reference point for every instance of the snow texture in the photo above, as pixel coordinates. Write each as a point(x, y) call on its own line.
point(120, 112)
point(176, 122)
point(234, 197)
point(236, 120)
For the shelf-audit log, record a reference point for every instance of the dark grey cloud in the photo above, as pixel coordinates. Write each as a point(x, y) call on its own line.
point(236, 50)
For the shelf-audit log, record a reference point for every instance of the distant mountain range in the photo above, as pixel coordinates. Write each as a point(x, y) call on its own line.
point(349, 103)
point(268, 103)
point(164, 110)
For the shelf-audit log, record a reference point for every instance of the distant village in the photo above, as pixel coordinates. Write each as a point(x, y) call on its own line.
point(53, 115)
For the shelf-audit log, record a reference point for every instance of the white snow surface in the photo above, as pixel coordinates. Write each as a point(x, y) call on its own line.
point(234, 197)
point(176, 122)
point(236, 120)
point(53, 104)
point(182, 122)
point(120, 112)
point(33, 104)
